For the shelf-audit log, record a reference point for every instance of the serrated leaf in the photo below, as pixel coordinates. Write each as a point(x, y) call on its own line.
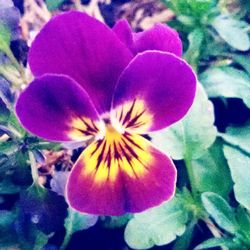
point(210, 169)
point(220, 211)
point(217, 242)
point(157, 226)
point(193, 134)
point(226, 82)
point(239, 164)
point(238, 136)
point(232, 31)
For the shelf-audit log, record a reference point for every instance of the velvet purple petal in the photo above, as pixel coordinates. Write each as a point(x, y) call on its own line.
point(125, 34)
point(83, 48)
point(122, 176)
point(52, 105)
point(159, 37)
point(157, 86)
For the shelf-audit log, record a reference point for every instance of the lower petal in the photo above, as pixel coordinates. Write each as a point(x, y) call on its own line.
point(125, 175)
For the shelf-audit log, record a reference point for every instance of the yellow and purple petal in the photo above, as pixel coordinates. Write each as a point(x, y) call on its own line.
point(83, 48)
point(154, 91)
point(121, 173)
point(159, 37)
point(57, 108)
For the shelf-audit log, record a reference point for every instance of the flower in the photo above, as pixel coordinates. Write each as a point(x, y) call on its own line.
point(108, 86)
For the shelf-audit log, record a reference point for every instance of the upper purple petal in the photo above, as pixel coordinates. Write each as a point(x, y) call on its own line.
point(83, 48)
point(125, 34)
point(160, 84)
point(50, 104)
point(159, 37)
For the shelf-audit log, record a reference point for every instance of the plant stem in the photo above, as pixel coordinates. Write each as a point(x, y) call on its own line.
point(33, 166)
point(214, 230)
point(191, 177)
point(68, 232)
point(188, 163)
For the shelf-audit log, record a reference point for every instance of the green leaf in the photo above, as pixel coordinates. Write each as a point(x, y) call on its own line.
point(4, 112)
point(7, 187)
point(15, 126)
point(183, 242)
point(232, 31)
point(218, 242)
point(238, 136)
point(76, 221)
point(210, 169)
point(194, 8)
point(193, 134)
point(40, 240)
point(200, 7)
point(243, 60)
point(239, 166)
point(157, 226)
point(53, 4)
point(195, 39)
point(8, 147)
point(116, 221)
point(220, 211)
point(226, 82)
point(243, 218)
point(6, 219)
point(4, 38)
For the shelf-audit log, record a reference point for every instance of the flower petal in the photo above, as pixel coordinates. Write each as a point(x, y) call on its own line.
point(56, 108)
point(83, 48)
point(125, 34)
point(159, 86)
point(159, 37)
point(122, 175)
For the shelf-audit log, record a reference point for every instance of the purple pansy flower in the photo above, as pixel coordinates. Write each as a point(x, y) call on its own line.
point(108, 86)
